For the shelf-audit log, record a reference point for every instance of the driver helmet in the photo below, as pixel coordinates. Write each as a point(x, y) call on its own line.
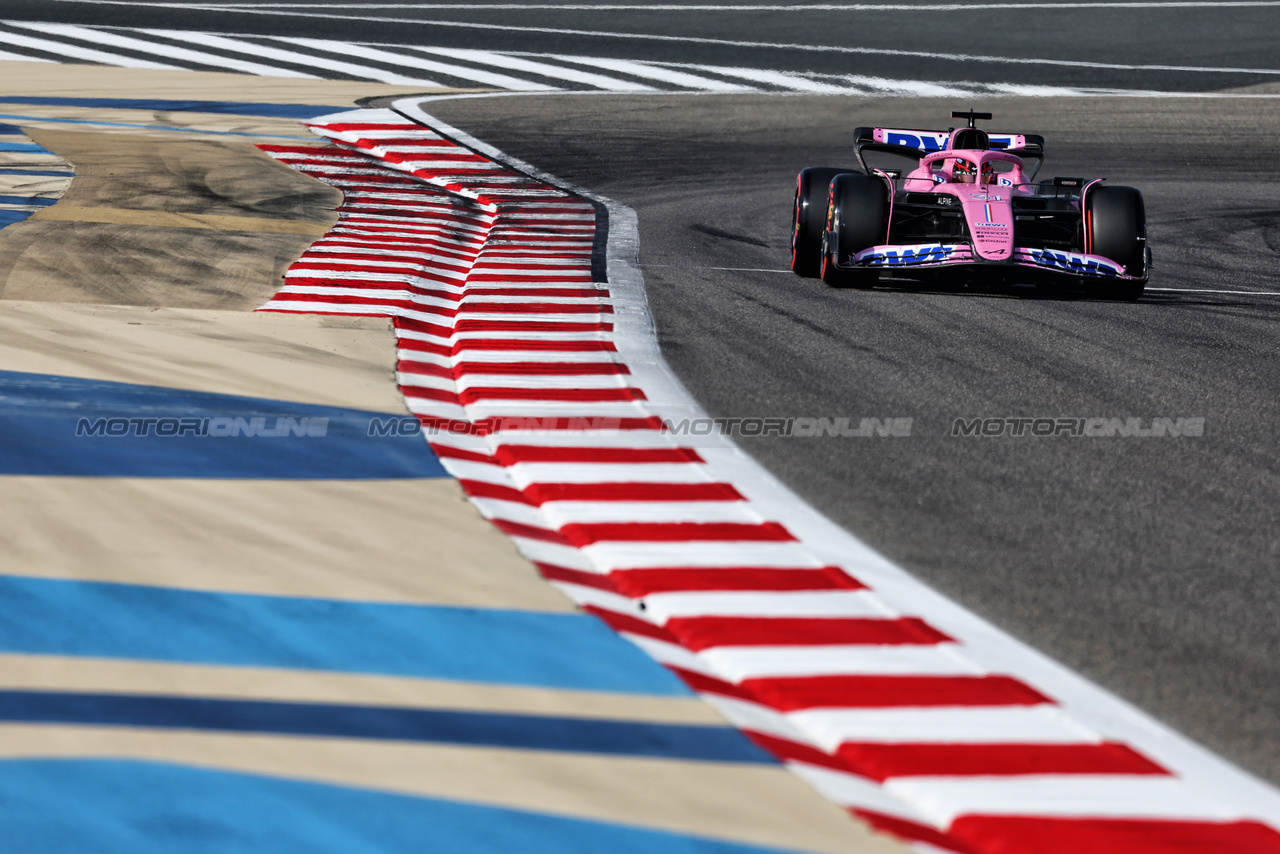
point(966, 172)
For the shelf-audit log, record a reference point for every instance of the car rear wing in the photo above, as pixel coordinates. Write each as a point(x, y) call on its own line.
point(918, 143)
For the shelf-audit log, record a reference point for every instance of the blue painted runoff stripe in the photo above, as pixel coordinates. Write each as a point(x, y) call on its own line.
point(523, 732)
point(55, 425)
point(488, 645)
point(165, 128)
point(9, 217)
point(124, 807)
point(27, 200)
point(46, 173)
point(10, 130)
point(239, 108)
point(29, 147)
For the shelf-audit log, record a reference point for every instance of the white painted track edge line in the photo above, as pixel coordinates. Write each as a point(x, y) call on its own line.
point(1090, 704)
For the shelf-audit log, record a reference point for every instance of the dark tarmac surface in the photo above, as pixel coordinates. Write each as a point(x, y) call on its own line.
point(1147, 564)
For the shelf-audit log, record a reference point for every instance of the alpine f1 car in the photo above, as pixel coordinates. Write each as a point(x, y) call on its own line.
point(971, 207)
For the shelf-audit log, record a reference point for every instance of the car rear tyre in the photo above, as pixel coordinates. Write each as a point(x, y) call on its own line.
point(855, 221)
point(809, 219)
point(1116, 221)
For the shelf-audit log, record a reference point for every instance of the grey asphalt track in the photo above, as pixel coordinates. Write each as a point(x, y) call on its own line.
point(1147, 564)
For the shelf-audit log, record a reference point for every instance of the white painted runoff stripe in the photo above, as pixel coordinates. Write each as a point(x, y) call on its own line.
point(15, 57)
point(544, 69)
point(76, 51)
point(848, 49)
point(407, 60)
point(655, 71)
point(263, 51)
point(781, 79)
point(166, 51)
point(256, 54)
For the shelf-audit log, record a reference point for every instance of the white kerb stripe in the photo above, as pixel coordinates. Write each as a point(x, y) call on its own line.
point(633, 555)
point(849, 790)
point(541, 551)
point(754, 662)
point(1075, 795)
point(665, 653)
point(753, 716)
point(750, 603)
point(943, 725)
point(565, 512)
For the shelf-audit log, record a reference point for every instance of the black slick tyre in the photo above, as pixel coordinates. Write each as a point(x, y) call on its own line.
point(1116, 228)
point(809, 219)
point(856, 211)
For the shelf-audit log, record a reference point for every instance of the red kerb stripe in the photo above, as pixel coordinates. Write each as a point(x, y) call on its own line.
point(698, 633)
point(499, 423)
point(792, 693)
point(587, 346)
point(510, 455)
point(581, 395)
point(535, 308)
point(541, 493)
point(642, 582)
point(1030, 835)
point(532, 532)
point(484, 489)
point(584, 534)
point(540, 369)
point(914, 832)
point(793, 751)
point(631, 625)
point(530, 369)
point(884, 761)
point(484, 325)
point(551, 572)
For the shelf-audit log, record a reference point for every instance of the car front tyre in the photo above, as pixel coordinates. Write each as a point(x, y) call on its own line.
point(856, 209)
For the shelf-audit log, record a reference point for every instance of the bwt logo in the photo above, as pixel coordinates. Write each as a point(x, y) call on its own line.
point(1070, 262)
point(219, 427)
point(924, 254)
point(936, 142)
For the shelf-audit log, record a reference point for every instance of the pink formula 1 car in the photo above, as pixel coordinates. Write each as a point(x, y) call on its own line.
point(969, 207)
